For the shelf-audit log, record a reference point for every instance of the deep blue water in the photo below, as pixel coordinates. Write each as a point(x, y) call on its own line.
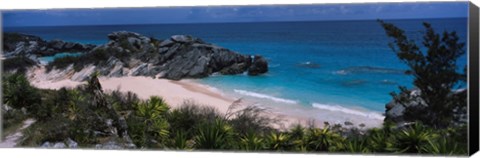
point(350, 61)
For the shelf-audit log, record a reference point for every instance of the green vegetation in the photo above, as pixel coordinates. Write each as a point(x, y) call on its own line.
point(96, 57)
point(18, 93)
point(71, 114)
point(19, 64)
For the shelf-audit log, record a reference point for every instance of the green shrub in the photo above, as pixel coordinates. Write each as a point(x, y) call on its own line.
point(278, 141)
point(149, 127)
point(323, 140)
point(11, 119)
point(251, 119)
point(123, 101)
point(190, 116)
point(252, 141)
point(180, 141)
point(53, 130)
point(217, 134)
point(19, 63)
point(413, 139)
point(357, 144)
point(18, 93)
point(98, 56)
point(443, 146)
point(136, 130)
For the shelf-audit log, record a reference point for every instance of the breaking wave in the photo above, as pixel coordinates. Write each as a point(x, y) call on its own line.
point(338, 108)
point(264, 96)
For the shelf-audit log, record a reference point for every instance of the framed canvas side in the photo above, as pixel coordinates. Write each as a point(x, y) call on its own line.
point(473, 53)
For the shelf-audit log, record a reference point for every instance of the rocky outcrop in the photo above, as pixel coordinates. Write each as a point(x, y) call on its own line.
point(15, 44)
point(62, 46)
point(180, 56)
point(395, 110)
point(259, 66)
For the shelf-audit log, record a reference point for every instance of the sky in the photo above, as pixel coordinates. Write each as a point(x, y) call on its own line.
point(219, 14)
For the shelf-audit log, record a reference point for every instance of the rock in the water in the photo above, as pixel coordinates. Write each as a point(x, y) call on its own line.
point(259, 66)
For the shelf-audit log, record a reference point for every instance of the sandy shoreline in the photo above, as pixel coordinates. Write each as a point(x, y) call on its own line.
point(176, 92)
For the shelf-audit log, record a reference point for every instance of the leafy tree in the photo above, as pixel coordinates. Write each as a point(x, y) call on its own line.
point(435, 75)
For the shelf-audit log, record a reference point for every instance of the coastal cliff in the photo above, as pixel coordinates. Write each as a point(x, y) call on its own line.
point(132, 54)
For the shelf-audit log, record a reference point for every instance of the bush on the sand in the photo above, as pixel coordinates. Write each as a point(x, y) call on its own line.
point(98, 56)
point(188, 117)
point(123, 101)
point(19, 63)
point(249, 119)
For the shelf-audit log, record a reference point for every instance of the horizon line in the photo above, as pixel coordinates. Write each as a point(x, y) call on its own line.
point(233, 22)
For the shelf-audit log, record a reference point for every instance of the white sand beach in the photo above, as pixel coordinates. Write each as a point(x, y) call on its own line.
point(176, 92)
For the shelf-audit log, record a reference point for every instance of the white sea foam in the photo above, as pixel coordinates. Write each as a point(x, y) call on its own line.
point(264, 96)
point(338, 108)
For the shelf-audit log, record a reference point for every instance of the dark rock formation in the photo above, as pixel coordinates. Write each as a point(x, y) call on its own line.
point(181, 56)
point(100, 102)
point(62, 46)
point(15, 44)
point(259, 66)
point(395, 111)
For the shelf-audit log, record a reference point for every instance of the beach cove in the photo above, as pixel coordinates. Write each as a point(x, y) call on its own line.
point(177, 92)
